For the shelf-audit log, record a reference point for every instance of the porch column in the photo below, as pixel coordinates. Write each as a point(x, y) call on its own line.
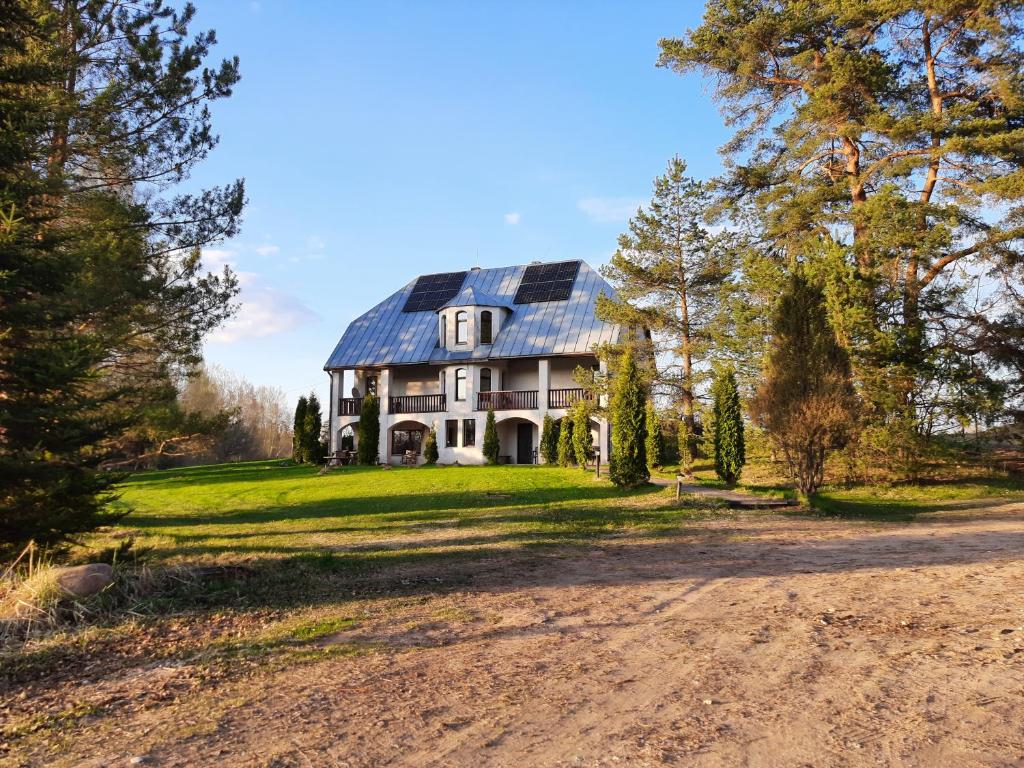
point(384, 392)
point(543, 384)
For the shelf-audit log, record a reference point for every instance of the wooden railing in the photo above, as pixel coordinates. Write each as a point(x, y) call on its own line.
point(563, 398)
point(350, 406)
point(416, 404)
point(507, 400)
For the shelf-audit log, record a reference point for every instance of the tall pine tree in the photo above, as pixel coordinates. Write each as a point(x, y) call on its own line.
point(668, 274)
point(103, 301)
point(627, 466)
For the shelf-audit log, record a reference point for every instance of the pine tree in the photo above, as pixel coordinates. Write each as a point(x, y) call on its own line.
point(806, 401)
point(299, 431)
point(565, 452)
point(730, 452)
point(891, 133)
point(492, 448)
point(549, 440)
point(655, 444)
point(103, 302)
point(582, 439)
point(669, 273)
point(313, 424)
point(368, 448)
point(430, 453)
point(628, 463)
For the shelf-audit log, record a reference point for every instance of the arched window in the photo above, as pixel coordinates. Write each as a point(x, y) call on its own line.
point(485, 379)
point(461, 328)
point(444, 330)
point(485, 327)
point(460, 383)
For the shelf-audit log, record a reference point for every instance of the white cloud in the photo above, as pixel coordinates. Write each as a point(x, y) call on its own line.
point(313, 242)
point(215, 259)
point(265, 311)
point(609, 209)
point(513, 217)
point(267, 249)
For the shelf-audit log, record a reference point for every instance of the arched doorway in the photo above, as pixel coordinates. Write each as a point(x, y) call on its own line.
point(519, 440)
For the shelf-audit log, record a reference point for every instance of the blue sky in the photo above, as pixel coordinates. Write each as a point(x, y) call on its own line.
point(380, 141)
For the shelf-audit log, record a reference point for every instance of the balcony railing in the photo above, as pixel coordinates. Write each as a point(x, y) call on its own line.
point(350, 406)
point(416, 404)
point(507, 400)
point(563, 398)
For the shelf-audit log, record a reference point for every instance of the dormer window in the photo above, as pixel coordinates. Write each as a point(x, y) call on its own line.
point(461, 328)
point(485, 327)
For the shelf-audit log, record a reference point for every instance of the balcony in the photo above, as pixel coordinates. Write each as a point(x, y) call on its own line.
point(416, 404)
point(350, 406)
point(507, 400)
point(563, 398)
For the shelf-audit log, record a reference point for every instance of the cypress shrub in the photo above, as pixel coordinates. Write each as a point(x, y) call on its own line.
point(430, 448)
point(368, 451)
point(582, 440)
point(655, 444)
point(299, 431)
point(492, 448)
point(564, 452)
point(311, 445)
point(628, 464)
point(730, 452)
point(549, 440)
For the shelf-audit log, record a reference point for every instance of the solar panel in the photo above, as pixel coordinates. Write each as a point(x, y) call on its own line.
point(432, 292)
point(547, 282)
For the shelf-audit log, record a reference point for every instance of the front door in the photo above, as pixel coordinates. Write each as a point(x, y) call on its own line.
point(524, 443)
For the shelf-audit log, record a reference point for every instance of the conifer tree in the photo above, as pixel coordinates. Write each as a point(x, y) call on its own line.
point(368, 449)
point(492, 447)
point(655, 444)
point(565, 452)
point(891, 133)
point(806, 401)
point(582, 439)
point(313, 424)
point(628, 463)
point(668, 273)
point(299, 431)
point(103, 300)
point(730, 452)
point(549, 440)
point(430, 453)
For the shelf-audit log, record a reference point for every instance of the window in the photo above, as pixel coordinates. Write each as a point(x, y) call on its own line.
point(485, 327)
point(485, 379)
point(460, 383)
point(403, 440)
point(444, 330)
point(451, 433)
point(469, 432)
point(461, 328)
point(371, 385)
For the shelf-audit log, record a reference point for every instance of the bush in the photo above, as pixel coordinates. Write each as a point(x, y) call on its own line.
point(628, 465)
point(492, 448)
point(565, 454)
point(369, 431)
point(730, 453)
point(582, 439)
point(430, 448)
point(549, 440)
point(655, 441)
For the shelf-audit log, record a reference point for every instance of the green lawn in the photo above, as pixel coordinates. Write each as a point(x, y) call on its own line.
point(274, 509)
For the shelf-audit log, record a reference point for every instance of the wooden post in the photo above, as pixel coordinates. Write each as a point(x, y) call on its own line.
point(597, 465)
point(679, 487)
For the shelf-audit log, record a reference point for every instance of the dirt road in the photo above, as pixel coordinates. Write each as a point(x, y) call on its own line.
point(751, 641)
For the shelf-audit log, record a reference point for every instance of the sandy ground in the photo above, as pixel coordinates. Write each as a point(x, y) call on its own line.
point(751, 641)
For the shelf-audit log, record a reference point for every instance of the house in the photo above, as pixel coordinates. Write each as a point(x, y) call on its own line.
point(447, 347)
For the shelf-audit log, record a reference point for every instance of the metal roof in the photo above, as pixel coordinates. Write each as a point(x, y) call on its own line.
point(387, 336)
point(474, 297)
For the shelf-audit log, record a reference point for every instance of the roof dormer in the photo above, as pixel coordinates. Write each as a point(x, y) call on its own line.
point(471, 319)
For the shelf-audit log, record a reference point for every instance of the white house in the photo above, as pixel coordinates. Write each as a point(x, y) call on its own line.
point(447, 347)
